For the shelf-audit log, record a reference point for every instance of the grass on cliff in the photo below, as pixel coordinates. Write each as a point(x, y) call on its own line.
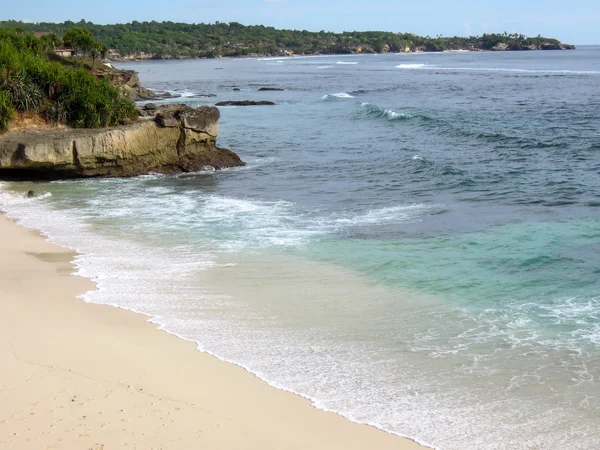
point(31, 82)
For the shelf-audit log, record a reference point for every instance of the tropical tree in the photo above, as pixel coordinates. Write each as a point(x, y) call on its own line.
point(79, 39)
point(98, 50)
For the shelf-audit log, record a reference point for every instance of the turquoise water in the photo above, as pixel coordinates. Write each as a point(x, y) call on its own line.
point(415, 242)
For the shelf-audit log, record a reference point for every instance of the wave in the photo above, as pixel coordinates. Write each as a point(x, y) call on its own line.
point(372, 111)
point(338, 96)
point(278, 59)
point(456, 128)
point(325, 67)
point(375, 90)
point(241, 223)
point(499, 69)
point(413, 66)
point(347, 63)
point(144, 278)
point(185, 93)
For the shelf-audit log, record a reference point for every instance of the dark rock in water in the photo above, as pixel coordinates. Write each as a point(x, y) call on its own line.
point(244, 103)
point(31, 194)
point(178, 139)
point(236, 89)
point(270, 89)
point(160, 96)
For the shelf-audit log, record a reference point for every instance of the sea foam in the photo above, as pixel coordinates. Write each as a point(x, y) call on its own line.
point(340, 95)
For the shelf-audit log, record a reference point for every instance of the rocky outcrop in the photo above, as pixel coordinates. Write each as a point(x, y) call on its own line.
point(169, 139)
point(129, 83)
point(245, 103)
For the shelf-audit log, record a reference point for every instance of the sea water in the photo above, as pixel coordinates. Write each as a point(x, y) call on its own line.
point(414, 243)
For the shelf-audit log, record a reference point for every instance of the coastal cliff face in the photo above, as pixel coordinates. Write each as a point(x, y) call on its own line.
point(171, 139)
point(129, 83)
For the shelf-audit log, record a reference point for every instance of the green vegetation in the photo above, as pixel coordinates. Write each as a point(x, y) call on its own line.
point(6, 110)
point(168, 39)
point(30, 81)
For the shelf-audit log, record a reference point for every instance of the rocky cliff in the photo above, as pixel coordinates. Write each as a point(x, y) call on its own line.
point(129, 83)
point(170, 139)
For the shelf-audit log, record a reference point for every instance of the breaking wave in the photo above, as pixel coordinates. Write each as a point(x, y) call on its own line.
point(338, 96)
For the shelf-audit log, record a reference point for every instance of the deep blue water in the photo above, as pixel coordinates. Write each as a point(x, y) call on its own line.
point(415, 242)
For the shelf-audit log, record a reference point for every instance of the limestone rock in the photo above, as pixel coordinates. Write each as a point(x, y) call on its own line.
point(500, 47)
point(177, 139)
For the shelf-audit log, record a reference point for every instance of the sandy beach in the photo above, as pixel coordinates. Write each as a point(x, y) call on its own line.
point(84, 376)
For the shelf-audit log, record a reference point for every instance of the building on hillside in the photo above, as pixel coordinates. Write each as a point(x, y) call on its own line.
point(64, 52)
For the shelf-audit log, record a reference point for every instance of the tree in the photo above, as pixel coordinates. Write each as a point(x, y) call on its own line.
point(79, 39)
point(98, 49)
point(50, 41)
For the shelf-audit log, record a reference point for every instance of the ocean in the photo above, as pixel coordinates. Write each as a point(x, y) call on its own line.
point(414, 242)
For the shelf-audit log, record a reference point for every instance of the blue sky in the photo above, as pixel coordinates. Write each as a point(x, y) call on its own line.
point(573, 22)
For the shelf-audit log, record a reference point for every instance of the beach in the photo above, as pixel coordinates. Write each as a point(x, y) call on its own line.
point(404, 247)
point(84, 376)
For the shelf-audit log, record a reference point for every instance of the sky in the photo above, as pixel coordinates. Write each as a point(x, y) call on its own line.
point(574, 22)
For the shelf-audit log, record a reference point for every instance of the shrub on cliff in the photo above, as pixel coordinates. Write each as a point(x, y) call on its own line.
point(61, 94)
point(6, 110)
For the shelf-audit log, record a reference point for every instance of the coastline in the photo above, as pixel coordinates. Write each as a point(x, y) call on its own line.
point(128, 59)
point(81, 375)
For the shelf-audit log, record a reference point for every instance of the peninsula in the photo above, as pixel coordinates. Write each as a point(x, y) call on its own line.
point(168, 40)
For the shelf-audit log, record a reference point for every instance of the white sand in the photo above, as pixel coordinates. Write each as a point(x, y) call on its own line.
point(82, 376)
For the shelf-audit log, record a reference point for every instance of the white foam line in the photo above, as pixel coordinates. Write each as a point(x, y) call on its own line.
point(99, 281)
point(496, 69)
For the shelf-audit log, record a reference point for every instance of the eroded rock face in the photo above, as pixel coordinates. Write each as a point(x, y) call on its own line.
point(177, 139)
point(129, 83)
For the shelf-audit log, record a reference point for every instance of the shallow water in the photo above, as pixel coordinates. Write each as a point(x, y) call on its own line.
point(415, 242)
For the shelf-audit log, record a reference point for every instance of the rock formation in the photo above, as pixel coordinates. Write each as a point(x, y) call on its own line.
point(129, 83)
point(169, 139)
point(245, 103)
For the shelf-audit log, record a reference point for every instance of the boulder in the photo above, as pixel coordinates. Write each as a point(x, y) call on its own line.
point(178, 139)
point(270, 89)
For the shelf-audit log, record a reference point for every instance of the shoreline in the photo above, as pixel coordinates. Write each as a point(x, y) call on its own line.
point(317, 55)
point(83, 375)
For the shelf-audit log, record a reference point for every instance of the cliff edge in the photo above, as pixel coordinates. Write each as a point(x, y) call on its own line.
point(170, 139)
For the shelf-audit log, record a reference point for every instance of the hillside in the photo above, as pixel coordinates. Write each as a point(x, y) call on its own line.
point(182, 40)
point(35, 83)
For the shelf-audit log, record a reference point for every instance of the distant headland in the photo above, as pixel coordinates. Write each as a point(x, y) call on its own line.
point(169, 40)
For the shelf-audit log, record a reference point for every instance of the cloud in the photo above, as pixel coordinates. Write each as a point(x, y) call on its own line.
point(468, 30)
